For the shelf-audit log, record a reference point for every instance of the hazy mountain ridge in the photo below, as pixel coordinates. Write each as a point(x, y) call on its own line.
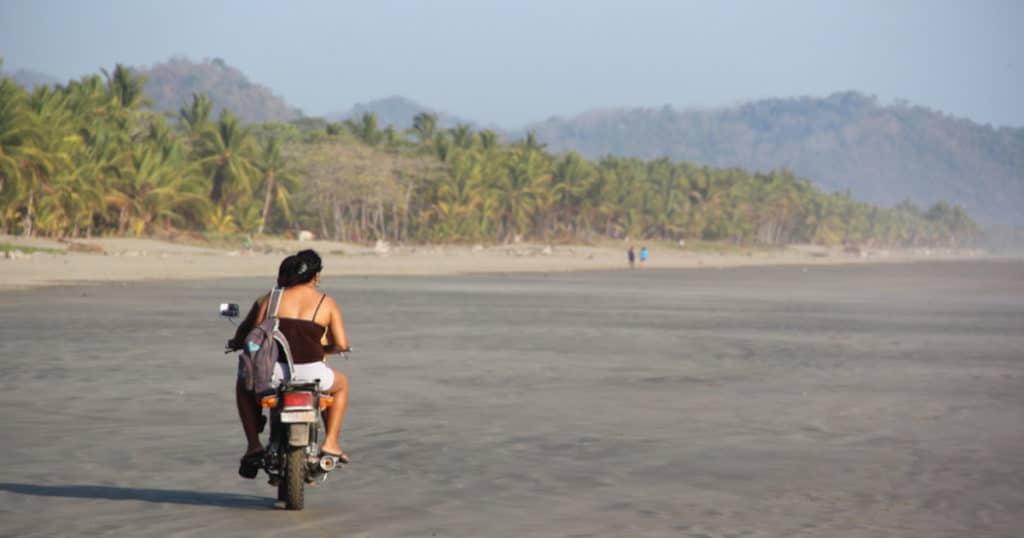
point(171, 84)
point(30, 79)
point(398, 112)
point(881, 153)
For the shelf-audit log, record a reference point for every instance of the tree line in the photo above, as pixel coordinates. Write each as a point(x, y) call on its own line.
point(89, 158)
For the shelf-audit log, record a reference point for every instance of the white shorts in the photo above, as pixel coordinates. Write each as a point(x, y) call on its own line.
point(306, 372)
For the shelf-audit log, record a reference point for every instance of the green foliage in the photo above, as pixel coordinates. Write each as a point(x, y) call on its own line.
point(7, 247)
point(89, 158)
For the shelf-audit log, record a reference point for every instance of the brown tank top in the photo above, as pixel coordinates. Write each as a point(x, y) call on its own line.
point(303, 337)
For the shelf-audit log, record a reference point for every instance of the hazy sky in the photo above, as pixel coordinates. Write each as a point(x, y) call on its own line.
point(518, 61)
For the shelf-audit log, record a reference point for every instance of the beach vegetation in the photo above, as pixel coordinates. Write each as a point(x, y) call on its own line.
point(90, 157)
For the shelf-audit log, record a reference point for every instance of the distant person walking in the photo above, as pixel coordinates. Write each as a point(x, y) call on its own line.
point(631, 256)
point(643, 257)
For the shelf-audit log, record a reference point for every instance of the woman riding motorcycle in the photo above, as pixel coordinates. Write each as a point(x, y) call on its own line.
point(311, 322)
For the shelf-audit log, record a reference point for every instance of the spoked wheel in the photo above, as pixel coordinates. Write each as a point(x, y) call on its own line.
point(294, 482)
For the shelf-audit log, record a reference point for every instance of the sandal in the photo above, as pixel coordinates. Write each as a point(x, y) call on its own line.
point(340, 456)
point(251, 464)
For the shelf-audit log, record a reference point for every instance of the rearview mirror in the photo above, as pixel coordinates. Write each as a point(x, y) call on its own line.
point(229, 310)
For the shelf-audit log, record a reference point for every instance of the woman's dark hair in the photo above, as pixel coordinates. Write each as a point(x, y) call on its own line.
point(299, 268)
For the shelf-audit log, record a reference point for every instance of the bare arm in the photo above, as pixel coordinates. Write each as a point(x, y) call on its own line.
point(337, 340)
point(253, 318)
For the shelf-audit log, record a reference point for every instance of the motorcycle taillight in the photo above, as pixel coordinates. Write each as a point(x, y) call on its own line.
point(298, 399)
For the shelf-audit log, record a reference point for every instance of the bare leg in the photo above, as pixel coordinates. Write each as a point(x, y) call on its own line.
point(335, 413)
point(248, 413)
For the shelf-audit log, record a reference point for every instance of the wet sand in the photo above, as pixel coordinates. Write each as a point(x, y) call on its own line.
point(870, 400)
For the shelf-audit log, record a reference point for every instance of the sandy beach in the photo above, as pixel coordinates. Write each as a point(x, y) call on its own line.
point(125, 260)
point(840, 401)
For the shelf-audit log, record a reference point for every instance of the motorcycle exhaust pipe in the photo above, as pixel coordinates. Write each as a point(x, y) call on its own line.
point(328, 463)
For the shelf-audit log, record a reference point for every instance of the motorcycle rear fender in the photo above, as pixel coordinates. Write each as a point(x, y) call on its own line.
point(298, 434)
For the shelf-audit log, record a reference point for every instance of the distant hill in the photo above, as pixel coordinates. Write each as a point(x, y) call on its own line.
point(30, 79)
point(398, 112)
point(171, 84)
point(847, 141)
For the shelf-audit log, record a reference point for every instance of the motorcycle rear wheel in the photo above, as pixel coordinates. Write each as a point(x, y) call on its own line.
point(294, 480)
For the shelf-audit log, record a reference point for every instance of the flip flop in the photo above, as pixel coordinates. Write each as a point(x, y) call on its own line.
point(251, 464)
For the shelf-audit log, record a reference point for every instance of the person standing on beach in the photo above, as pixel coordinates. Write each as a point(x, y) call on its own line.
point(643, 256)
point(631, 256)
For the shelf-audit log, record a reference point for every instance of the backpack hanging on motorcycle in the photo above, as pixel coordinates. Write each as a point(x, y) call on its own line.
point(261, 351)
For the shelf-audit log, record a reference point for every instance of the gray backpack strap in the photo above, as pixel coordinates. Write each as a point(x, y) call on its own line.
point(275, 302)
point(272, 308)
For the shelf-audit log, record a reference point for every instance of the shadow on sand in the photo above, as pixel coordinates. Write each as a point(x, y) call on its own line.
point(114, 493)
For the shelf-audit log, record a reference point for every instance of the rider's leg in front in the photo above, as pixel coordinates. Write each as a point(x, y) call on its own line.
point(248, 413)
point(335, 413)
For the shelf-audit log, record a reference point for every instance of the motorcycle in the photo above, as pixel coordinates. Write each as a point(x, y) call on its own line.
point(292, 457)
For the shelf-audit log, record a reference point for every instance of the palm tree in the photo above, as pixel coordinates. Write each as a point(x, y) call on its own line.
point(531, 143)
point(423, 125)
point(19, 134)
point(366, 128)
point(247, 217)
point(72, 202)
point(669, 197)
point(462, 135)
point(126, 88)
point(278, 181)
point(51, 153)
point(88, 99)
point(389, 136)
point(588, 209)
point(224, 153)
point(221, 221)
point(488, 139)
point(708, 201)
point(152, 190)
point(623, 190)
point(516, 192)
point(460, 192)
point(74, 194)
point(196, 118)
